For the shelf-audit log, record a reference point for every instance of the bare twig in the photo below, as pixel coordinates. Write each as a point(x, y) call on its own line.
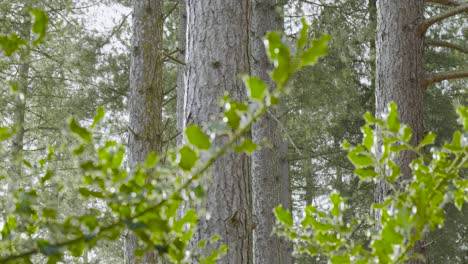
point(444, 15)
point(442, 76)
point(446, 44)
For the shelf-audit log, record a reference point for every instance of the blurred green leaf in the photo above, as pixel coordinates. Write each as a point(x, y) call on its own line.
point(283, 216)
point(151, 160)
point(302, 40)
point(40, 24)
point(392, 119)
point(98, 117)
point(197, 137)
point(188, 158)
point(256, 87)
point(247, 146)
point(319, 48)
point(83, 133)
point(11, 44)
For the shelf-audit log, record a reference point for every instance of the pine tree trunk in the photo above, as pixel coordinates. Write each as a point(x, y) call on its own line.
point(181, 45)
point(399, 74)
point(146, 94)
point(217, 49)
point(267, 163)
point(19, 114)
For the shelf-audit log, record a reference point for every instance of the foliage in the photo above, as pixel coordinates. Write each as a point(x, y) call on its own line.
point(143, 200)
point(414, 206)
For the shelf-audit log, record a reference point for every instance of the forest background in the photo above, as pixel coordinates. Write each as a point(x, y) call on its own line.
point(79, 68)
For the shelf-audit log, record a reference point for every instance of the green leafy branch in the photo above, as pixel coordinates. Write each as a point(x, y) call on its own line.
point(145, 200)
point(414, 205)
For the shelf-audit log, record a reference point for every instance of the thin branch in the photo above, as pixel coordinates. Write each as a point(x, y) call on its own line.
point(444, 2)
point(173, 59)
point(165, 16)
point(442, 76)
point(446, 44)
point(435, 19)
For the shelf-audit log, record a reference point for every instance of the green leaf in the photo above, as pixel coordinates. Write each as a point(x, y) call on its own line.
point(301, 41)
point(76, 249)
point(429, 139)
point(336, 200)
point(279, 54)
point(5, 133)
point(318, 49)
point(392, 119)
point(365, 173)
point(188, 158)
point(247, 146)
point(369, 118)
point(456, 142)
point(460, 198)
point(359, 158)
point(368, 140)
point(233, 119)
point(151, 160)
point(46, 248)
point(197, 137)
point(338, 259)
point(40, 24)
point(407, 133)
point(256, 87)
point(83, 133)
point(463, 112)
point(89, 221)
point(47, 176)
point(283, 216)
point(8, 226)
point(11, 44)
point(98, 117)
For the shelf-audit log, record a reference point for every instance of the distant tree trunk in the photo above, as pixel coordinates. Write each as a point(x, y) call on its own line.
point(181, 46)
point(270, 182)
point(146, 94)
point(400, 75)
point(217, 49)
point(20, 99)
point(373, 24)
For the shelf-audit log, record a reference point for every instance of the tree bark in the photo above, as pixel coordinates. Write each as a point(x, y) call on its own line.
point(19, 115)
point(268, 172)
point(400, 75)
point(146, 95)
point(217, 52)
point(181, 46)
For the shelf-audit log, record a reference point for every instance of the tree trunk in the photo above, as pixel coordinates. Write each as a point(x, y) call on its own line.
point(267, 163)
point(182, 42)
point(20, 99)
point(400, 75)
point(146, 94)
point(217, 49)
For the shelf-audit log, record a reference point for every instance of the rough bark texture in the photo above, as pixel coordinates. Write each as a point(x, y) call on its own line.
point(146, 94)
point(399, 73)
point(217, 52)
point(267, 163)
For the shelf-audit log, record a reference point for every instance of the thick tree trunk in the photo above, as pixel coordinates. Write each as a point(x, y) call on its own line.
point(146, 94)
point(217, 49)
point(399, 73)
point(267, 163)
